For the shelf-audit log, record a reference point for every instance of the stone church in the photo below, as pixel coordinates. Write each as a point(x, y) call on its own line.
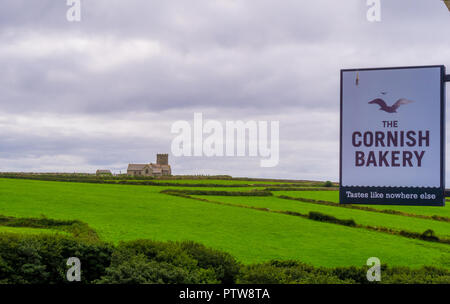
point(161, 168)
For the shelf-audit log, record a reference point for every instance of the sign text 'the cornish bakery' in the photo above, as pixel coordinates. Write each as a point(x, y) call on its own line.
point(392, 136)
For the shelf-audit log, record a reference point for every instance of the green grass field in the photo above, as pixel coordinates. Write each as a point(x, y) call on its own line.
point(127, 212)
point(397, 222)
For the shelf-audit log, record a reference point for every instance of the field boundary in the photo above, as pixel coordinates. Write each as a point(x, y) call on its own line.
point(92, 179)
point(318, 188)
point(427, 235)
point(77, 228)
point(219, 193)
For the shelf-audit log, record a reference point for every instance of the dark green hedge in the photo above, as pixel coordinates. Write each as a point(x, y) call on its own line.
point(41, 259)
point(109, 179)
point(78, 228)
point(321, 217)
point(293, 272)
point(146, 261)
point(218, 193)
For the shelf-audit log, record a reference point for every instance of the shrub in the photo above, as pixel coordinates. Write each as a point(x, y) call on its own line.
point(137, 269)
point(169, 262)
point(351, 273)
point(287, 272)
point(427, 235)
point(430, 235)
point(293, 272)
point(317, 216)
point(423, 275)
point(328, 184)
point(224, 265)
point(41, 259)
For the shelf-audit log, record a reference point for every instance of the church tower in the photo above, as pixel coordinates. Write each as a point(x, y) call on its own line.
point(162, 159)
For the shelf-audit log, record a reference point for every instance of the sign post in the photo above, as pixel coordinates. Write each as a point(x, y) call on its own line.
point(392, 136)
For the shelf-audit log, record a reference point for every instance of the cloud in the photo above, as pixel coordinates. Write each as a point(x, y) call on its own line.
point(99, 53)
point(105, 91)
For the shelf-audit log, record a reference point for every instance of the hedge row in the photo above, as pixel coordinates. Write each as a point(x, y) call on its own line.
point(218, 193)
point(78, 228)
point(153, 183)
point(72, 176)
point(150, 181)
point(146, 261)
point(295, 188)
point(143, 181)
point(317, 216)
point(41, 259)
point(294, 272)
point(121, 180)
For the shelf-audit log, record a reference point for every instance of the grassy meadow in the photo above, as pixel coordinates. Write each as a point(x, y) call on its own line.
point(129, 212)
point(360, 216)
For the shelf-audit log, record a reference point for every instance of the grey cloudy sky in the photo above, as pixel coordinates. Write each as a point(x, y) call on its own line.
point(105, 91)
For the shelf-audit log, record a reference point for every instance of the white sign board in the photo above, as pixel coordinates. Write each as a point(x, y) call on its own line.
point(392, 136)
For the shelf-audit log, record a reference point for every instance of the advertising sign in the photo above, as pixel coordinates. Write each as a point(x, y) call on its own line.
point(392, 136)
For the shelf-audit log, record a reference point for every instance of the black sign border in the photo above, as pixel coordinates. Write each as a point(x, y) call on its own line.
point(441, 203)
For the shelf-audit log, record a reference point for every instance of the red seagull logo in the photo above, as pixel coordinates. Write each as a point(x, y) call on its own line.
point(393, 108)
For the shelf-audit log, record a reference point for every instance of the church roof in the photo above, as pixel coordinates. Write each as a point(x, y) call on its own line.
point(140, 167)
point(136, 166)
